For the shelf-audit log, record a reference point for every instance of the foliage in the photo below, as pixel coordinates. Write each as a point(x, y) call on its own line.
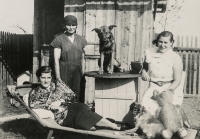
point(172, 14)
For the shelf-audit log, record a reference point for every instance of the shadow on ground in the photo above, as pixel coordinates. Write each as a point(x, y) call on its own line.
point(30, 129)
point(21, 129)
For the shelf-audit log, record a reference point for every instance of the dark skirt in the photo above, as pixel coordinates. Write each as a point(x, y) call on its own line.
point(71, 75)
point(80, 116)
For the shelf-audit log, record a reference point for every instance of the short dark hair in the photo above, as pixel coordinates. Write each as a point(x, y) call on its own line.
point(164, 34)
point(44, 69)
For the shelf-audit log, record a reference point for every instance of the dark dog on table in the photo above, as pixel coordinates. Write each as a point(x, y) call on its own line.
point(107, 47)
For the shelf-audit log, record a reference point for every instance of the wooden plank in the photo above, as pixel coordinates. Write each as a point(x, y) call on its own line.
point(90, 16)
point(98, 106)
point(132, 30)
point(113, 109)
point(1, 90)
point(87, 84)
point(92, 81)
point(106, 108)
point(36, 39)
point(194, 74)
point(187, 49)
point(116, 96)
point(190, 73)
point(105, 92)
point(186, 71)
point(98, 91)
point(198, 75)
point(191, 134)
point(4, 61)
point(122, 90)
point(121, 109)
point(15, 56)
point(118, 34)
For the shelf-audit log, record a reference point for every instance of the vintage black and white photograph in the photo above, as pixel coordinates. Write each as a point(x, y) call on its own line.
point(99, 69)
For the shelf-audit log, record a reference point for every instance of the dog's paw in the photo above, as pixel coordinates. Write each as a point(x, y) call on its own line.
point(110, 72)
point(100, 71)
point(121, 69)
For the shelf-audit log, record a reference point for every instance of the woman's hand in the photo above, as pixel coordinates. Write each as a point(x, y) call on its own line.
point(54, 105)
point(145, 76)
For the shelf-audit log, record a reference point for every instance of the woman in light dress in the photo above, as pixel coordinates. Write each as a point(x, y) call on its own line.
point(163, 68)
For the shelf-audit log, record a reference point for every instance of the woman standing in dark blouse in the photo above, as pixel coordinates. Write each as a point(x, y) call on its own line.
point(61, 100)
point(69, 55)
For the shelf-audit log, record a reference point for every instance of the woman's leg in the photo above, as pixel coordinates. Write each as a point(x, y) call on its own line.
point(104, 123)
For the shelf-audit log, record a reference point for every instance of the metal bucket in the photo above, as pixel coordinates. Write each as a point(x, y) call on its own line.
point(135, 67)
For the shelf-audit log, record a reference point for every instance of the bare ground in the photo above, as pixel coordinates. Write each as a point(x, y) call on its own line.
point(191, 106)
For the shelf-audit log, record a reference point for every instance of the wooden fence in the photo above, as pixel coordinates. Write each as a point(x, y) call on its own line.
point(188, 48)
point(16, 57)
point(191, 64)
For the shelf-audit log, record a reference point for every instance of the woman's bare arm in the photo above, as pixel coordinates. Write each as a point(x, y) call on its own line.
point(177, 70)
point(83, 63)
point(57, 54)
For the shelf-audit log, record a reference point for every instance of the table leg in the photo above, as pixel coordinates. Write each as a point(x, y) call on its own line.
point(137, 89)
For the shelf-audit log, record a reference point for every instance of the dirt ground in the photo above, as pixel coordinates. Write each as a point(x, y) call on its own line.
point(191, 106)
point(11, 130)
point(7, 110)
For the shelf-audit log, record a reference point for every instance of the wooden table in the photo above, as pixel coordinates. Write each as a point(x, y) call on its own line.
point(114, 93)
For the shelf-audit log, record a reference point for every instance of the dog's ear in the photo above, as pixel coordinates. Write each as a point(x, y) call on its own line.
point(96, 30)
point(111, 27)
point(132, 106)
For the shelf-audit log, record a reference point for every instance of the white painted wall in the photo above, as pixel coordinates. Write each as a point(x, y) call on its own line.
point(16, 13)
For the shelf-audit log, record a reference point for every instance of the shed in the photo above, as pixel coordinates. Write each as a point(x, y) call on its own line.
point(134, 32)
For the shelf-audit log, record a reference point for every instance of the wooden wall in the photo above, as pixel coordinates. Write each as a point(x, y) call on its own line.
point(133, 34)
point(134, 20)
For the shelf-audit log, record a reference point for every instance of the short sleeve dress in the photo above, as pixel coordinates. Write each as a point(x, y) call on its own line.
point(70, 60)
point(160, 68)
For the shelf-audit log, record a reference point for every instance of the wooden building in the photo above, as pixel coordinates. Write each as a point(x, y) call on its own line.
point(134, 32)
point(134, 20)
